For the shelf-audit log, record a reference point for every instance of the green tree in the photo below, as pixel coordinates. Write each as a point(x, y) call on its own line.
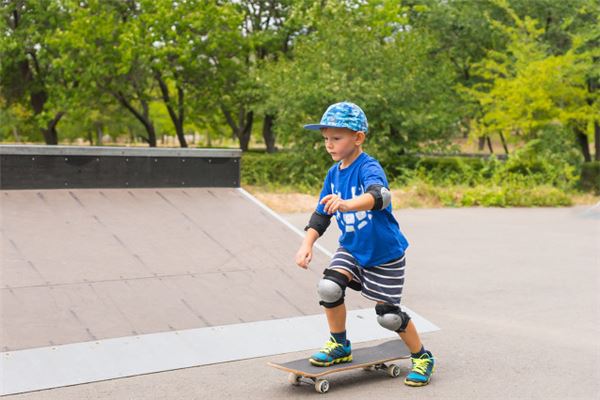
point(29, 79)
point(366, 53)
point(266, 27)
point(102, 50)
point(526, 88)
point(185, 41)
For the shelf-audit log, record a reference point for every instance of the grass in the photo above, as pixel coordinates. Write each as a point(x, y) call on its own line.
point(290, 199)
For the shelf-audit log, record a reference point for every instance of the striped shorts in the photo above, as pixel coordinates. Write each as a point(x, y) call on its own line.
point(380, 283)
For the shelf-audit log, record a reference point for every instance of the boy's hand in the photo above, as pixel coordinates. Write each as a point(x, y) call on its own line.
point(304, 256)
point(334, 203)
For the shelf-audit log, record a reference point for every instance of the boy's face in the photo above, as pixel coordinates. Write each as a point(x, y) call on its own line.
point(341, 142)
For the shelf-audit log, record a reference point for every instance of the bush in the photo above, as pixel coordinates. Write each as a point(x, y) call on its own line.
point(515, 196)
point(526, 179)
point(450, 170)
point(305, 171)
point(511, 195)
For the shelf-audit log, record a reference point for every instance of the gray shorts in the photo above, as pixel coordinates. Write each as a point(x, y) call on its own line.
point(380, 283)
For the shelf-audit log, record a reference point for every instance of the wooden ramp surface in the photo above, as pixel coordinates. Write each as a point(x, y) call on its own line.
point(88, 264)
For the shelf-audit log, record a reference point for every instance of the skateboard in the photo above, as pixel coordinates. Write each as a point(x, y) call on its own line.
point(373, 358)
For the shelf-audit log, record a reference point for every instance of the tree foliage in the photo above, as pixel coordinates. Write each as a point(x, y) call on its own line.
point(425, 71)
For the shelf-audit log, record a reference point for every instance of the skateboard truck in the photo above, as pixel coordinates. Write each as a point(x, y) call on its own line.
point(322, 385)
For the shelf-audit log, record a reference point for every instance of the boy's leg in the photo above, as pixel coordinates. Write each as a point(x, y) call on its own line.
point(409, 334)
point(337, 349)
point(411, 338)
point(336, 316)
point(391, 317)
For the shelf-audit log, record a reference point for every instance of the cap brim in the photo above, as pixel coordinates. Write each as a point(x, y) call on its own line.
point(316, 127)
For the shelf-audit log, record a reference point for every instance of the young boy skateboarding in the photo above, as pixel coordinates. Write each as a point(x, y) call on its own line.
point(371, 254)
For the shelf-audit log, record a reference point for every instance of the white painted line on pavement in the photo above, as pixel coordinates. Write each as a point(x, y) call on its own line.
point(283, 220)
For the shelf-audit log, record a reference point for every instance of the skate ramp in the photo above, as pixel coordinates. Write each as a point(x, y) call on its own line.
point(111, 282)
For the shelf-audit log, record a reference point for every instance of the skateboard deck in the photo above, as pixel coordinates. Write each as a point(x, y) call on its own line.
point(376, 357)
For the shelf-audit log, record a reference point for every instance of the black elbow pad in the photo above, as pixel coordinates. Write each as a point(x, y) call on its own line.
point(382, 196)
point(319, 222)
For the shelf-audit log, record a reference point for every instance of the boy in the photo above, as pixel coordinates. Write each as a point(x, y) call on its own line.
point(371, 253)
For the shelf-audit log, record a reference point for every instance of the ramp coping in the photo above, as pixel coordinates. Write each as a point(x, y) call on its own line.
point(116, 151)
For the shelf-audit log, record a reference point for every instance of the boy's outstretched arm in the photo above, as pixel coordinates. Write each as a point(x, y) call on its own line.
point(304, 254)
point(317, 225)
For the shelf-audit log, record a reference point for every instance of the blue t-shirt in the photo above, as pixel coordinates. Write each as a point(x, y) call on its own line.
point(372, 237)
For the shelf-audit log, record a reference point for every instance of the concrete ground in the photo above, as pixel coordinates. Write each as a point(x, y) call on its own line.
point(516, 293)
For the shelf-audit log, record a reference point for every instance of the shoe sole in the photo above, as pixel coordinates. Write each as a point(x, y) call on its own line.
point(415, 384)
point(329, 363)
point(418, 384)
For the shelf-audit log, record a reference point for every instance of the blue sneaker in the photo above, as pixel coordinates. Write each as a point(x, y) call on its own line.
point(332, 353)
point(422, 368)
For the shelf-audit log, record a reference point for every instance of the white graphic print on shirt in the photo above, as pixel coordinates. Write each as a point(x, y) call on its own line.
point(352, 220)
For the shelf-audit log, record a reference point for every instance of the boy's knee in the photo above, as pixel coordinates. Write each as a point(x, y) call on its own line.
point(332, 287)
point(392, 317)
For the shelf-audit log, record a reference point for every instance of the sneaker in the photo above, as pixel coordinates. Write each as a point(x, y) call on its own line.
point(332, 353)
point(422, 368)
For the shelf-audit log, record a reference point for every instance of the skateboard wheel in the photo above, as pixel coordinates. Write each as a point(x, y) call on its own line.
point(294, 379)
point(393, 370)
point(322, 385)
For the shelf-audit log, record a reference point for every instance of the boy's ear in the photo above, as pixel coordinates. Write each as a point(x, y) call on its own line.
point(360, 137)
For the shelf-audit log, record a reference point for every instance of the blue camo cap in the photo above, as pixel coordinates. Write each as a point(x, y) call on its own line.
point(342, 115)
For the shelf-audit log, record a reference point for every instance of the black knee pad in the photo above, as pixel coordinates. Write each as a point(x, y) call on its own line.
point(392, 317)
point(332, 288)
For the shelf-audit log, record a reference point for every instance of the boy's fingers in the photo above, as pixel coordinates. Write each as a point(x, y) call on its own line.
point(305, 263)
point(335, 205)
point(326, 198)
point(330, 203)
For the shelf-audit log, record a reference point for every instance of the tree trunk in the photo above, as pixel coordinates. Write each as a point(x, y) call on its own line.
point(151, 140)
point(99, 135)
point(50, 136)
point(246, 131)
point(489, 143)
point(597, 139)
point(592, 85)
point(397, 138)
point(131, 135)
point(38, 100)
point(481, 143)
point(50, 133)
point(16, 135)
point(176, 115)
point(582, 139)
point(242, 129)
point(466, 125)
point(180, 134)
point(143, 117)
point(503, 142)
point(268, 135)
